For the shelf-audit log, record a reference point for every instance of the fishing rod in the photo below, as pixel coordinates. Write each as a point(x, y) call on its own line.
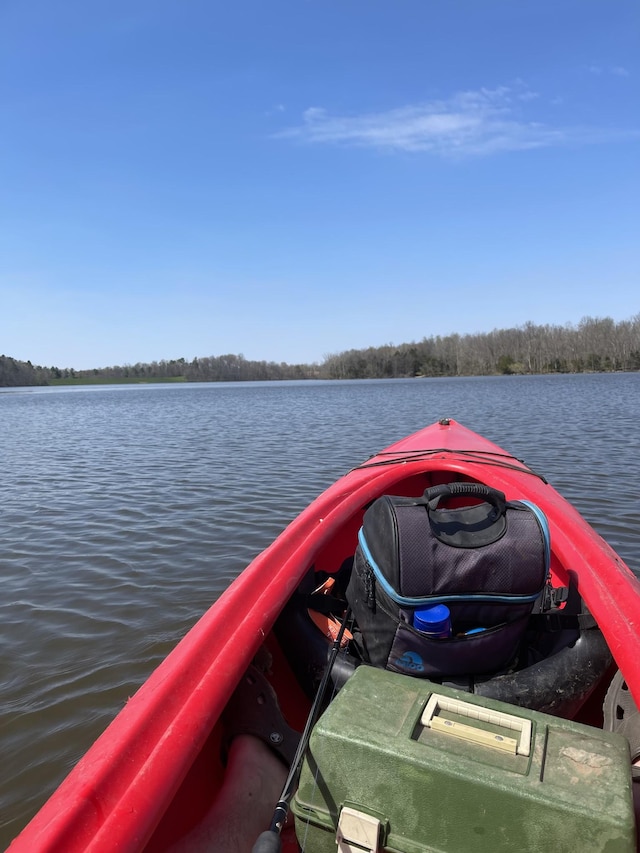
point(269, 841)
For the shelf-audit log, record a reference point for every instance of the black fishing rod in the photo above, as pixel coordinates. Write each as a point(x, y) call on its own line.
point(269, 841)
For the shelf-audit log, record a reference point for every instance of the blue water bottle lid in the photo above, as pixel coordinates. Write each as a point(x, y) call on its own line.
point(435, 619)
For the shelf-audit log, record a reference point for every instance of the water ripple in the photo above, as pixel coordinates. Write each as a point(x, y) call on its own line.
point(127, 511)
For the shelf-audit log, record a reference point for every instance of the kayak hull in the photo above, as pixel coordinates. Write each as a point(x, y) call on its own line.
point(156, 768)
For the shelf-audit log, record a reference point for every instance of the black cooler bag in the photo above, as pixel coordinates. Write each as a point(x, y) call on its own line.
point(487, 561)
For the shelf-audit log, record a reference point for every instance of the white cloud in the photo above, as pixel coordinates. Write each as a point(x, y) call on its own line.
point(616, 70)
point(473, 122)
point(470, 123)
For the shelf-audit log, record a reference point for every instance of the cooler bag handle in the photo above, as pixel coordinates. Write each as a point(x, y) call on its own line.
point(434, 494)
point(474, 526)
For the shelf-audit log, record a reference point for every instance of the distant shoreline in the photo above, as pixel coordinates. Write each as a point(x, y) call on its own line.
point(181, 380)
point(595, 345)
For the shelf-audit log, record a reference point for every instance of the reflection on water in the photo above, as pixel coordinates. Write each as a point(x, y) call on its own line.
point(127, 510)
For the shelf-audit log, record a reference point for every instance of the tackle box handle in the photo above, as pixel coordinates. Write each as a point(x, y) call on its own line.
point(446, 715)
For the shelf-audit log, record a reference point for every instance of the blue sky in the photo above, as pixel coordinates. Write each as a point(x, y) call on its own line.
point(288, 179)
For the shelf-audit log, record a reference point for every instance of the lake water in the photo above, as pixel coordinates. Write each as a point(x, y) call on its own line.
point(127, 510)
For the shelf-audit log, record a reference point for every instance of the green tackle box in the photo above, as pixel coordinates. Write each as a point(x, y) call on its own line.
point(402, 764)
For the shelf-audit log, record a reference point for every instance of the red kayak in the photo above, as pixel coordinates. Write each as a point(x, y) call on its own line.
point(164, 761)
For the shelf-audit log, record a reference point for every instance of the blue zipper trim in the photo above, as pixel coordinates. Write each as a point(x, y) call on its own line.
point(414, 601)
point(546, 534)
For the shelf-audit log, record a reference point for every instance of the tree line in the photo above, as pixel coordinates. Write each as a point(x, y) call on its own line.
point(593, 345)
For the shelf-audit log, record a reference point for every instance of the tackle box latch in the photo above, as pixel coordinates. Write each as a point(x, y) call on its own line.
point(357, 832)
